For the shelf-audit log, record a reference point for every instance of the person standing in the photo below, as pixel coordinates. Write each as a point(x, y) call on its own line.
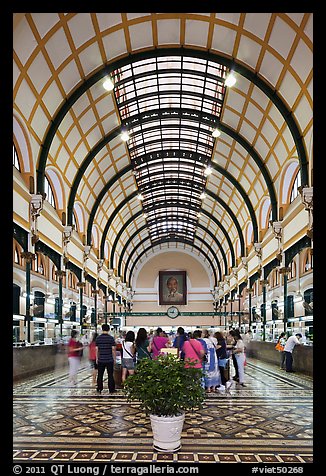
point(280, 344)
point(92, 357)
point(143, 346)
point(222, 356)
point(159, 341)
point(230, 343)
point(74, 355)
point(105, 358)
point(288, 349)
point(246, 337)
point(212, 376)
point(179, 341)
point(85, 341)
point(194, 350)
point(128, 355)
point(239, 353)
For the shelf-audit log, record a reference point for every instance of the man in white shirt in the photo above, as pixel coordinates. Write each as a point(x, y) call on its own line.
point(288, 349)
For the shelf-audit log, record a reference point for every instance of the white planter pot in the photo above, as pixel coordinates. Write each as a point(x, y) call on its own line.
point(167, 432)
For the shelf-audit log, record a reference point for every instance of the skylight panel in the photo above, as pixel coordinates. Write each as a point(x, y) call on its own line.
point(169, 150)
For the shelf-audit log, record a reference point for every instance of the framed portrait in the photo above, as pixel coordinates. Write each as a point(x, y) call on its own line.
point(172, 287)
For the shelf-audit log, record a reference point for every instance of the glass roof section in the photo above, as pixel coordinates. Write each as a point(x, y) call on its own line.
point(161, 102)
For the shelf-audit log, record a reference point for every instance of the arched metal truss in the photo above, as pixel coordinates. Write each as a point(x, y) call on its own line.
point(166, 240)
point(122, 253)
point(228, 62)
point(143, 228)
point(167, 185)
point(133, 195)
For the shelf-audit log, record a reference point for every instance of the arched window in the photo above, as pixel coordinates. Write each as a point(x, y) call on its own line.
point(291, 182)
point(293, 270)
point(229, 259)
point(275, 281)
point(15, 158)
point(296, 184)
point(38, 264)
point(72, 281)
point(74, 221)
point(16, 259)
point(54, 274)
point(106, 250)
point(49, 192)
point(95, 238)
point(89, 289)
point(249, 235)
point(265, 213)
point(238, 248)
point(79, 218)
point(308, 262)
point(57, 188)
point(17, 253)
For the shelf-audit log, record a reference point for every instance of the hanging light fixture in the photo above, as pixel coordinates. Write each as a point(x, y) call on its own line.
point(216, 133)
point(125, 136)
point(108, 84)
point(230, 80)
point(208, 171)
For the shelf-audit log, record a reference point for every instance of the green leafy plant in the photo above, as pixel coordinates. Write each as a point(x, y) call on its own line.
point(164, 387)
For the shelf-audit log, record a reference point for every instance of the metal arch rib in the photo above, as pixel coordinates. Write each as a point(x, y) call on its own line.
point(107, 69)
point(161, 242)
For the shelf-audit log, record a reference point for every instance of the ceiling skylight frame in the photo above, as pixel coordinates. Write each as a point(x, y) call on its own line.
point(150, 95)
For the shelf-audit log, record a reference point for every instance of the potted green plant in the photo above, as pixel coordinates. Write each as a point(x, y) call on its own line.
point(165, 390)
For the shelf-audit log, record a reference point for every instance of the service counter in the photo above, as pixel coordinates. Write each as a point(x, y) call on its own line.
point(35, 359)
point(265, 351)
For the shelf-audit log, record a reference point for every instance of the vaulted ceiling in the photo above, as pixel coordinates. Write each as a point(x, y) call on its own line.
point(168, 71)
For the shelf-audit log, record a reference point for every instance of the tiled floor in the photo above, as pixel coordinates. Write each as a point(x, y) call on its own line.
point(268, 421)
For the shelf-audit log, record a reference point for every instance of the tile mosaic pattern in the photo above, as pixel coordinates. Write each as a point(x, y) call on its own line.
point(268, 421)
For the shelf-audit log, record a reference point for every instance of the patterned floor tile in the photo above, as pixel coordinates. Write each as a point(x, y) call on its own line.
point(270, 421)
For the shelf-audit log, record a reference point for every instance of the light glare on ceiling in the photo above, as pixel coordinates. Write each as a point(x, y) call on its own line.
point(125, 136)
point(216, 133)
point(108, 84)
point(230, 80)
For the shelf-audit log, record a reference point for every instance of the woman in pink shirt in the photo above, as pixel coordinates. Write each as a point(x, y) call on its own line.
point(158, 342)
point(194, 350)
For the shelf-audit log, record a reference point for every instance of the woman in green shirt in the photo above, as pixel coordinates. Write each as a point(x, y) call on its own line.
point(143, 347)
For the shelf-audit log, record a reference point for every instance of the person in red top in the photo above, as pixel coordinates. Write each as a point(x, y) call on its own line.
point(92, 357)
point(158, 342)
point(74, 348)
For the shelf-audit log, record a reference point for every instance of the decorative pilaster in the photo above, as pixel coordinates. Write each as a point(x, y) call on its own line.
point(60, 274)
point(264, 283)
point(36, 206)
point(28, 257)
point(307, 195)
point(278, 234)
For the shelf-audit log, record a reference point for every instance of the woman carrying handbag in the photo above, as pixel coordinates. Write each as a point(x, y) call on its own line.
point(280, 347)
